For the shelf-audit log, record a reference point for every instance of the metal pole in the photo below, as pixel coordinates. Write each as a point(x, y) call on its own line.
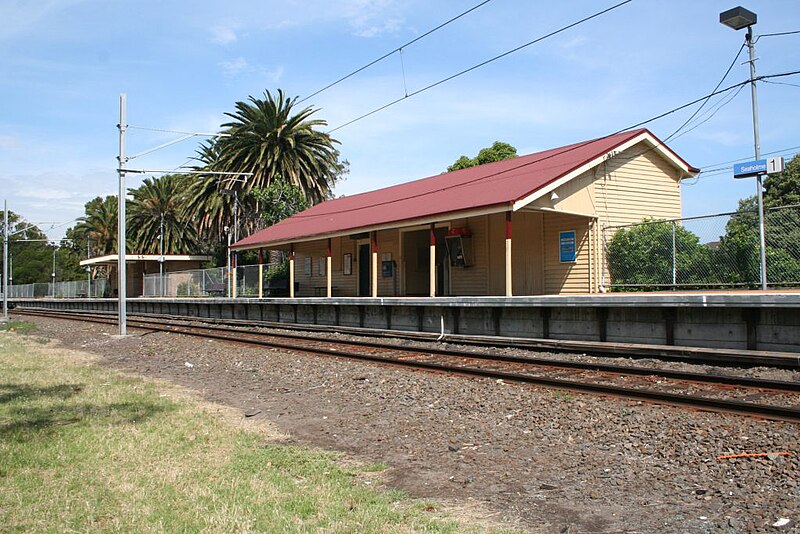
point(161, 257)
point(5, 261)
point(228, 273)
point(53, 274)
point(674, 263)
point(757, 142)
point(122, 282)
point(88, 269)
point(236, 224)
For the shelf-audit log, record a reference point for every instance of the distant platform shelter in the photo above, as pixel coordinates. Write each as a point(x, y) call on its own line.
point(139, 265)
point(530, 225)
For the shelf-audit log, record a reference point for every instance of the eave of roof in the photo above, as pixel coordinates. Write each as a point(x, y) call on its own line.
point(498, 186)
point(131, 258)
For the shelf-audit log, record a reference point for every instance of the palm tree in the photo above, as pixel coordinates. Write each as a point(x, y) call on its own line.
point(156, 203)
point(270, 141)
point(210, 210)
point(99, 225)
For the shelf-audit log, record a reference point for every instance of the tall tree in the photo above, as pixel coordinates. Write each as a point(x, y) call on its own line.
point(28, 250)
point(204, 204)
point(268, 138)
point(156, 203)
point(497, 152)
point(99, 225)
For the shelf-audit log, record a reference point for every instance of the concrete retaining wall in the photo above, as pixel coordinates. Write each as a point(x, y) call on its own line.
point(758, 321)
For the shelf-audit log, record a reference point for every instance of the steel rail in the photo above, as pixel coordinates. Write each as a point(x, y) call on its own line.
point(690, 401)
point(731, 380)
point(685, 354)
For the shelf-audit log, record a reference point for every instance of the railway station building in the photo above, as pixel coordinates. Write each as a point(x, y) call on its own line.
point(530, 225)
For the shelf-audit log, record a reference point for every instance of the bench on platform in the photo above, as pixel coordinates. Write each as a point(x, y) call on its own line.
point(216, 290)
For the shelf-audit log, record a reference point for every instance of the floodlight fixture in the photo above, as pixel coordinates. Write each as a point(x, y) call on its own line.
point(738, 18)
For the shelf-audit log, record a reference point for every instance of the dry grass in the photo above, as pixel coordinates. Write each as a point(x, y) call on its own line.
point(83, 449)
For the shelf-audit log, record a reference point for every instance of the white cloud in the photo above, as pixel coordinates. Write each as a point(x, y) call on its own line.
point(235, 67)
point(371, 18)
point(46, 193)
point(223, 35)
point(8, 142)
point(20, 17)
point(241, 67)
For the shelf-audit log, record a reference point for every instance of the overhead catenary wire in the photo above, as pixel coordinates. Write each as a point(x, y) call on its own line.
point(396, 50)
point(777, 34)
point(482, 64)
point(565, 150)
point(782, 83)
point(721, 81)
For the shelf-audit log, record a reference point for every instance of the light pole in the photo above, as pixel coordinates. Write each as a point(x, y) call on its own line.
point(235, 194)
point(738, 18)
point(161, 257)
point(228, 271)
point(5, 261)
point(53, 274)
point(89, 268)
point(122, 283)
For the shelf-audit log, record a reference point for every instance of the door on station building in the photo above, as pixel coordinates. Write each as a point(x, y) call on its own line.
point(363, 271)
point(416, 258)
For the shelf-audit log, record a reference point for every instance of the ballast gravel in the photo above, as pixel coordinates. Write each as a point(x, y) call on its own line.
point(540, 460)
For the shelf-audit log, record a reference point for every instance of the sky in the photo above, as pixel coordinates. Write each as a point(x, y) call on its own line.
point(183, 65)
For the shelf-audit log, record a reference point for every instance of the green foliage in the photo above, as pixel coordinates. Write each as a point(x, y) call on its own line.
point(99, 225)
point(30, 255)
point(740, 245)
point(783, 189)
point(188, 289)
point(497, 152)
point(642, 255)
point(277, 272)
point(278, 201)
point(160, 202)
point(272, 141)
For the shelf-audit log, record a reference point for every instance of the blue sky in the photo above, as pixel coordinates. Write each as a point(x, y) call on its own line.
point(184, 64)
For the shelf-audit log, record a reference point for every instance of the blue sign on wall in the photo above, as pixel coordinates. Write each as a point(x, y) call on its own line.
point(750, 168)
point(566, 246)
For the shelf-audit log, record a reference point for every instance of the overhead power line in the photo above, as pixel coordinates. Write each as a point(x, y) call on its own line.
point(779, 33)
point(483, 63)
point(576, 146)
point(724, 76)
point(396, 50)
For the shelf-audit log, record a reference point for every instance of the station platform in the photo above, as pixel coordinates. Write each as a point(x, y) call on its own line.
point(751, 320)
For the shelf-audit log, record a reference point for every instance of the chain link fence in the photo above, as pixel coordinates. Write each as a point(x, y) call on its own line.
point(211, 282)
point(191, 283)
point(97, 288)
point(714, 251)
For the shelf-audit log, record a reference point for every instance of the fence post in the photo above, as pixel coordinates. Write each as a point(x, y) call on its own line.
point(674, 263)
point(261, 280)
point(603, 266)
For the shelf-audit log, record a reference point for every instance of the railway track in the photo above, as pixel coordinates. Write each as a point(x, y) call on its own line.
point(710, 392)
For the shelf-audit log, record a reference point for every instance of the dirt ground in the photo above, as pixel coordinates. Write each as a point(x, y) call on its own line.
point(535, 459)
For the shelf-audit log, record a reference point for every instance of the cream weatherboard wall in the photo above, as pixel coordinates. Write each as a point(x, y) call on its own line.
point(636, 184)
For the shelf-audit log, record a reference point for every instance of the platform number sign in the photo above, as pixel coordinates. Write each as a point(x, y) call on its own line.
point(566, 246)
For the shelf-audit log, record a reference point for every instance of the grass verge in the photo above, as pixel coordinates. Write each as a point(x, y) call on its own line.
point(83, 448)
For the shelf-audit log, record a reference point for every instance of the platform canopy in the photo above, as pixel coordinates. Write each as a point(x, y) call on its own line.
point(507, 185)
point(112, 259)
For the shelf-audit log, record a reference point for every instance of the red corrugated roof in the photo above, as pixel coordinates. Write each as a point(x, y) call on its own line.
point(493, 184)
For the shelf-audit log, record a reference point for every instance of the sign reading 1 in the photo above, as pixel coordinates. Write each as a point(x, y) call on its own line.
point(759, 166)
